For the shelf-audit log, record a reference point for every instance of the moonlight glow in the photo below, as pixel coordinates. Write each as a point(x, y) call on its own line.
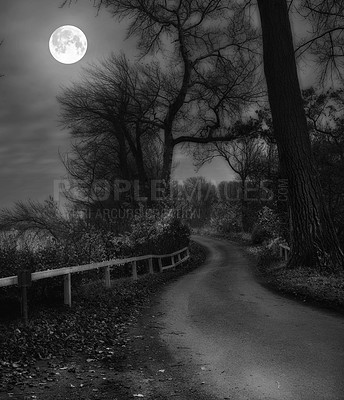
point(68, 44)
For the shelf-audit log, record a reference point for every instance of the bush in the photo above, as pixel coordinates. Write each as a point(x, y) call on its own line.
point(151, 235)
point(267, 226)
point(260, 235)
point(267, 256)
point(148, 234)
point(56, 242)
point(226, 217)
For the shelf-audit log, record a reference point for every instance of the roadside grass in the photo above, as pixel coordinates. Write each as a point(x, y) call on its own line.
point(304, 284)
point(94, 327)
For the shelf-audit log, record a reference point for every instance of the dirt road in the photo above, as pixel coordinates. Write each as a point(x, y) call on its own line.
point(250, 343)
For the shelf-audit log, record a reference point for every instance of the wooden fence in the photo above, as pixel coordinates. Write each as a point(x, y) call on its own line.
point(284, 251)
point(176, 258)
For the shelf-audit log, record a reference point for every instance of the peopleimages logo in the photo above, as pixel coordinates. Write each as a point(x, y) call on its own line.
point(102, 190)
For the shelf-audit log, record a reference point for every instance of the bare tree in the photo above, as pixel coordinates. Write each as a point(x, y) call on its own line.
point(92, 166)
point(199, 39)
point(243, 155)
point(41, 218)
point(326, 39)
point(109, 113)
point(196, 197)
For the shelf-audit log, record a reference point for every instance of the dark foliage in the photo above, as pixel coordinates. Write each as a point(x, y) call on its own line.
point(95, 326)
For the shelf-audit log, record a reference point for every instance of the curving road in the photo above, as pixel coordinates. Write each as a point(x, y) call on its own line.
point(247, 342)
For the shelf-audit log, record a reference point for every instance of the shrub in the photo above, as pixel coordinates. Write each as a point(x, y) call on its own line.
point(267, 256)
point(151, 234)
point(226, 217)
point(260, 234)
point(267, 226)
point(148, 233)
point(8, 258)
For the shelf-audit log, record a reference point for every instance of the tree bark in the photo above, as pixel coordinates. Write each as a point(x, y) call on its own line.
point(167, 159)
point(313, 239)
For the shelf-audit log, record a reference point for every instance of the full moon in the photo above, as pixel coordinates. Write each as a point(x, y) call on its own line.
point(68, 44)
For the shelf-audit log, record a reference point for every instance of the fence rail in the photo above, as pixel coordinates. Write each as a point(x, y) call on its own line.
point(284, 251)
point(177, 258)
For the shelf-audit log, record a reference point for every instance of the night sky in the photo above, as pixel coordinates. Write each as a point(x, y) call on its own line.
point(30, 137)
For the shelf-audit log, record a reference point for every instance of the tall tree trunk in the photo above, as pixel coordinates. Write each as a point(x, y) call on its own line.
point(167, 161)
point(172, 112)
point(243, 204)
point(122, 154)
point(314, 242)
point(141, 168)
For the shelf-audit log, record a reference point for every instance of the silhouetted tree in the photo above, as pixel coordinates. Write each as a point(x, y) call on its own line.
point(243, 155)
point(43, 218)
point(314, 242)
point(196, 196)
point(211, 65)
point(325, 41)
point(109, 114)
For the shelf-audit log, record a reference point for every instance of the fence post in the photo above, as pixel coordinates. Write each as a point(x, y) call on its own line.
point(24, 305)
point(160, 264)
point(68, 290)
point(150, 262)
point(134, 270)
point(286, 254)
point(107, 277)
point(24, 281)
